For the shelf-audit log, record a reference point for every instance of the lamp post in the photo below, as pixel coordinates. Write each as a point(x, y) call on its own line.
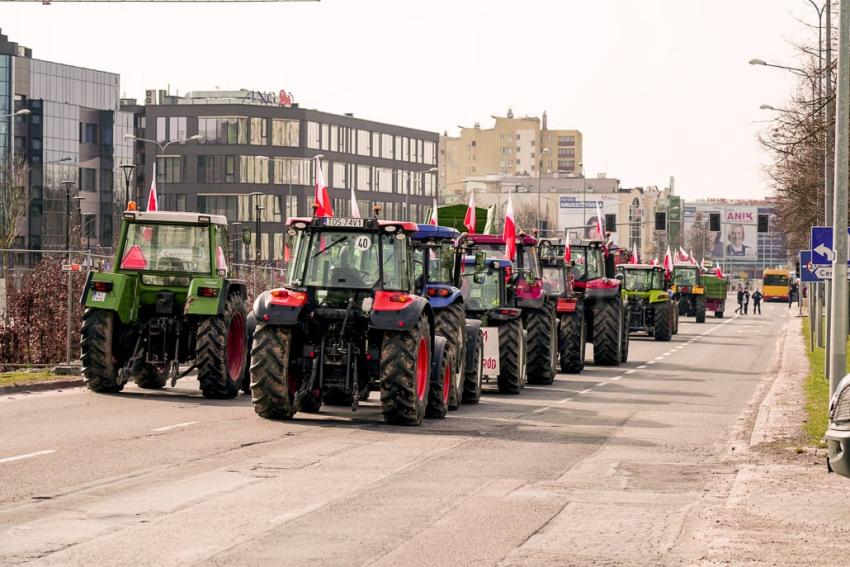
point(257, 209)
point(128, 169)
point(162, 146)
point(78, 206)
point(21, 112)
point(539, 181)
point(68, 184)
point(583, 196)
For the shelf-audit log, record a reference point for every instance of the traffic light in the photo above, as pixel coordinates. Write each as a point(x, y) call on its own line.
point(610, 223)
point(762, 223)
point(797, 268)
point(714, 222)
point(661, 221)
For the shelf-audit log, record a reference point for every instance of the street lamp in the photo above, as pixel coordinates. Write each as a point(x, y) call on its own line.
point(539, 181)
point(583, 196)
point(128, 169)
point(78, 206)
point(68, 183)
point(21, 112)
point(257, 209)
point(162, 146)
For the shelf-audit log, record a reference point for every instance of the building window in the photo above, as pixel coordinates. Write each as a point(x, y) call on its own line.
point(285, 132)
point(106, 230)
point(386, 146)
point(566, 165)
point(169, 169)
point(313, 135)
point(253, 169)
point(340, 176)
point(161, 134)
point(326, 137)
point(223, 129)
point(566, 152)
point(177, 128)
point(364, 180)
point(210, 169)
point(294, 171)
point(383, 179)
point(258, 133)
point(566, 140)
point(88, 133)
point(364, 143)
point(88, 178)
point(230, 169)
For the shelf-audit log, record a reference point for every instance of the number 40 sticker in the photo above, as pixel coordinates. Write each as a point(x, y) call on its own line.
point(363, 242)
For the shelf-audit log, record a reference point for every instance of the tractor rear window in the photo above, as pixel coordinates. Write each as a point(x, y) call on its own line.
point(685, 277)
point(639, 280)
point(553, 280)
point(167, 248)
point(481, 295)
point(526, 255)
point(588, 263)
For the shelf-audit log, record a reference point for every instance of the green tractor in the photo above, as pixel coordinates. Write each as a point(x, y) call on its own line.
point(652, 309)
point(689, 291)
point(167, 301)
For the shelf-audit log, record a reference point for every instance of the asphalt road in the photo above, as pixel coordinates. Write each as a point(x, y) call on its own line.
point(611, 466)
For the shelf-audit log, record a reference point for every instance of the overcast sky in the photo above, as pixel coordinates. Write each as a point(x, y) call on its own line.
point(657, 87)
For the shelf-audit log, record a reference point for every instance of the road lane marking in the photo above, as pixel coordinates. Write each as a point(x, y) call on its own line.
point(632, 371)
point(175, 426)
point(27, 456)
point(642, 366)
point(616, 378)
point(652, 362)
point(659, 357)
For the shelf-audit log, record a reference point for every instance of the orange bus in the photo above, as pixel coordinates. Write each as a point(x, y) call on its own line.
point(775, 285)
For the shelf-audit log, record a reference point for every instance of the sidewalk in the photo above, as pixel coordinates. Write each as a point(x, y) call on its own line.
point(781, 507)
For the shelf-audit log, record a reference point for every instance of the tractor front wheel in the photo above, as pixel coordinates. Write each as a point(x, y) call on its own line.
point(272, 385)
point(473, 376)
point(450, 323)
point(571, 340)
point(96, 343)
point(511, 377)
point(442, 378)
point(405, 374)
point(663, 321)
point(221, 350)
point(542, 344)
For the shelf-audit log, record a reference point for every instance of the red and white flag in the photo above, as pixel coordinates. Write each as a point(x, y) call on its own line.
point(152, 201)
point(469, 219)
point(692, 257)
point(681, 255)
point(509, 232)
point(718, 272)
point(324, 208)
point(668, 261)
point(600, 223)
point(355, 208)
point(433, 219)
point(635, 259)
point(654, 261)
point(568, 252)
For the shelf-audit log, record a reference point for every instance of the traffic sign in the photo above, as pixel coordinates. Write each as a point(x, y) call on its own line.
point(823, 253)
point(811, 272)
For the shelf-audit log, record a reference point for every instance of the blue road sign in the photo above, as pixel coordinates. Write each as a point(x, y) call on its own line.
point(811, 272)
point(822, 251)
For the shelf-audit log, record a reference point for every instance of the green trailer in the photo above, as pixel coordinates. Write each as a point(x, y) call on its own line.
point(716, 289)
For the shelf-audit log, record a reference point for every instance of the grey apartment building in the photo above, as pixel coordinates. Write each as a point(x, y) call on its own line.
point(74, 131)
point(250, 143)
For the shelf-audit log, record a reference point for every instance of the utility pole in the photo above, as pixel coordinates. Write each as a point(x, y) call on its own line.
point(828, 167)
point(838, 328)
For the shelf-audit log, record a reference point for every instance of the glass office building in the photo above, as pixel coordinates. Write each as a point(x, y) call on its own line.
point(249, 145)
point(73, 141)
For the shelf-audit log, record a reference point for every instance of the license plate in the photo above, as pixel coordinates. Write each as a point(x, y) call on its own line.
point(490, 360)
point(98, 296)
point(348, 223)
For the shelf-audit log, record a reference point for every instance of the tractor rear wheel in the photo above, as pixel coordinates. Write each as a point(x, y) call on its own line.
point(221, 345)
point(450, 323)
point(405, 374)
point(699, 310)
point(272, 385)
point(100, 367)
point(663, 321)
point(149, 377)
point(474, 374)
point(607, 320)
point(624, 335)
point(571, 341)
point(542, 344)
point(511, 377)
point(441, 385)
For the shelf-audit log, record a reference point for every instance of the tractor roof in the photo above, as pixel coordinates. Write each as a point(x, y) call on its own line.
point(497, 239)
point(577, 242)
point(426, 231)
point(686, 266)
point(640, 267)
point(367, 224)
point(174, 217)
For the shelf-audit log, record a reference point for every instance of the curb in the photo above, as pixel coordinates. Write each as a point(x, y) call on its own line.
point(42, 386)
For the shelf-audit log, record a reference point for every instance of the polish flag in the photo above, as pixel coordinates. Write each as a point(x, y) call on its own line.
point(668, 261)
point(509, 232)
point(355, 209)
point(681, 255)
point(654, 261)
point(469, 219)
point(600, 223)
point(634, 259)
point(433, 219)
point(718, 272)
point(692, 257)
point(568, 252)
point(152, 200)
point(322, 200)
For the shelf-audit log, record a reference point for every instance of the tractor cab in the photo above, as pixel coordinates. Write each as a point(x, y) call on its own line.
point(651, 310)
point(486, 290)
point(526, 274)
point(434, 261)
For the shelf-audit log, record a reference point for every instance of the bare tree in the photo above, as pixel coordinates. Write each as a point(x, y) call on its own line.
point(698, 237)
point(526, 217)
point(14, 190)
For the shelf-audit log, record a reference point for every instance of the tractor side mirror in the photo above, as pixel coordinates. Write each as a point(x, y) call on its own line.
point(480, 261)
point(479, 278)
point(546, 249)
point(246, 236)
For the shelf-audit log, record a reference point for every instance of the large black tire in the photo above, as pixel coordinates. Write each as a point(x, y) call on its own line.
point(663, 319)
point(511, 377)
point(451, 324)
point(607, 319)
point(571, 340)
point(675, 310)
point(699, 310)
point(404, 390)
point(624, 335)
point(100, 367)
point(441, 384)
point(220, 377)
point(246, 374)
point(149, 377)
point(473, 375)
point(542, 344)
point(272, 392)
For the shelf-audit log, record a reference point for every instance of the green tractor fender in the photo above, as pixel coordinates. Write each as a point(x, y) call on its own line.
point(206, 296)
point(112, 292)
point(658, 296)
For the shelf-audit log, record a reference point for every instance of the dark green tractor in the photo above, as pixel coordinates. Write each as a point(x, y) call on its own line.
point(167, 301)
point(651, 309)
point(689, 291)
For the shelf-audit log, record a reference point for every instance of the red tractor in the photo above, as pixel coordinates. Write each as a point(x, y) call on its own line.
point(558, 282)
point(539, 317)
point(601, 304)
point(348, 321)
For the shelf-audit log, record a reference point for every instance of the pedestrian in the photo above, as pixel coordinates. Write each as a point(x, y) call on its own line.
point(757, 302)
point(740, 308)
point(746, 300)
point(792, 295)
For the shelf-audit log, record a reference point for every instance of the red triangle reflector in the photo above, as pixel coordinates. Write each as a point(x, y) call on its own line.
point(134, 259)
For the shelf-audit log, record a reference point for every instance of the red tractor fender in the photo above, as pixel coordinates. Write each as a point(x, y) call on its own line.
point(399, 311)
point(602, 288)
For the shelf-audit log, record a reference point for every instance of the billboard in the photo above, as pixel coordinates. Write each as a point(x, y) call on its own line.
point(578, 217)
point(739, 230)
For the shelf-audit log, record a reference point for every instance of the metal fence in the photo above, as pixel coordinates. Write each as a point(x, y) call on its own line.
point(40, 310)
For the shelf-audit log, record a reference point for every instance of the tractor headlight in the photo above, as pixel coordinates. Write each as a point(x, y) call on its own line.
point(839, 407)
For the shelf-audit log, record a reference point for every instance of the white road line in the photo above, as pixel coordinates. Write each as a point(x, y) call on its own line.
point(565, 400)
point(616, 378)
point(586, 390)
point(632, 371)
point(659, 357)
point(652, 362)
point(27, 456)
point(175, 426)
